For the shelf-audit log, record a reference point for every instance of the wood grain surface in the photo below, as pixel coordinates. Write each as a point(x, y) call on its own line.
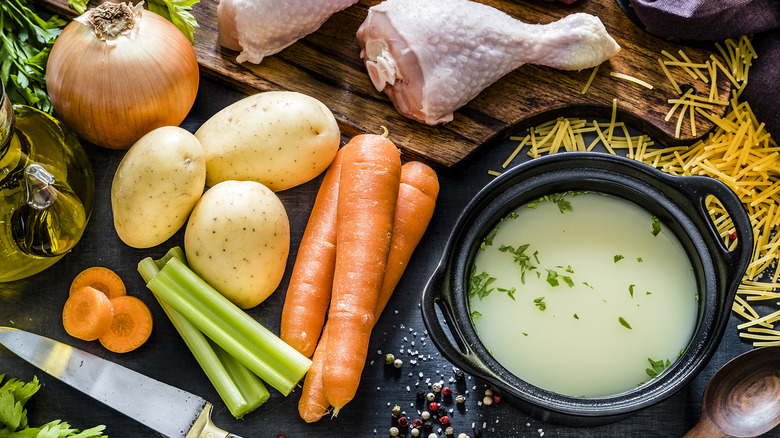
point(327, 66)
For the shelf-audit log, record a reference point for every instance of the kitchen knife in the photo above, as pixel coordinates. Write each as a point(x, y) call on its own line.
point(164, 408)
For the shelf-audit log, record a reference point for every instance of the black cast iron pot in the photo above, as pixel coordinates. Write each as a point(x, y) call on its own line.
point(679, 202)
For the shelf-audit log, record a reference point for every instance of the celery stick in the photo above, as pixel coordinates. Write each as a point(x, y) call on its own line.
point(240, 390)
point(273, 360)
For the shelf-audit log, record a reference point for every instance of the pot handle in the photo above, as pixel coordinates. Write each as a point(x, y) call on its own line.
point(450, 342)
point(739, 218)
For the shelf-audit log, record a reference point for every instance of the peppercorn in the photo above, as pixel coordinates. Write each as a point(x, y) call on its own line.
point(477, 433)
point(403, 421)
point(488, 392)
point(430, 396)
point(398, 363)
point(459, 375)
point(428, 426)
point(417, 423)
point(449, 430)
point(460, 398)
point(415, 432)
point(389, 358)
point(420, 395)
point(436, 387)
point(496, 398)
point(487, 400)
point(433, 406)
point(432, 435)
point(446, 391)
point(444, 420)
point(425, 415)
point(394, 431)
point(462, 435)
point(396, 410)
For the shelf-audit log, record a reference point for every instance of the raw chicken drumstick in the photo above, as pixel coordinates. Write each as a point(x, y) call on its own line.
point(433, 57)
point(260, 28)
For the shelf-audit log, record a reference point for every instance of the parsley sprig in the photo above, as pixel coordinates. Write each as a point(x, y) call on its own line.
point(25, 42)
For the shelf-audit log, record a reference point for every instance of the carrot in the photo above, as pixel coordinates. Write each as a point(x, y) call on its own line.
point(368, 192)
point(130, 327)
point(417, 196)
point(308, 294)
point(87, 314)
point(418, 191)
point(100, 278)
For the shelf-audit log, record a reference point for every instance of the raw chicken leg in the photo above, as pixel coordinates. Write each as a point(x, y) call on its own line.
point(431, 58)
point(259, 28)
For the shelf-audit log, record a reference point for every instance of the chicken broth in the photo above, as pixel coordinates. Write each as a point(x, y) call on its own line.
point(583, 294)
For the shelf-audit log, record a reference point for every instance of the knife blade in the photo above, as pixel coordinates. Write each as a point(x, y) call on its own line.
point(166, 409)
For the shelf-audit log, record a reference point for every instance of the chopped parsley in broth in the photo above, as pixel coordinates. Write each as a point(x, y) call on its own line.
point(557, 270)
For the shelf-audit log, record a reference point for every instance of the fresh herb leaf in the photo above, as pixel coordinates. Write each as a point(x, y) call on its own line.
point(656, 226)
point(509, 292)
point(618, 258)
point(479, 285)
point(177, 12)
point(488, 240)
point(523, 260)
point(568, 280)
point(586, 284)
point(552, 278)
point(539, 302)
point(624, 323)
point(25, 42)
point(79, 5)
point(510, 216)
point(576, 317)
point(475, 315)
point(657, 367)
point(639, 259)
point(631, 290)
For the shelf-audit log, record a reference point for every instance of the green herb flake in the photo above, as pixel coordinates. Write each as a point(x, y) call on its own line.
point(475, 315)
point(624, 323)
point(631, 290)
point(539, 302)
point(479, 285)
point(586, 284)
point(552, 278)
point(576, 317)
point(521, 258)
point(509, 292)
point(512, 215)
point(618, 258)
point(488, 240)
point(656, 226)
point(639, 259)
point(648, 293)
point(568, 280)
point(657, 367)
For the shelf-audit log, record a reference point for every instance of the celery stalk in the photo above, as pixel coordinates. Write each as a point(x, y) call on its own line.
point(240, 390)
point(274, 361)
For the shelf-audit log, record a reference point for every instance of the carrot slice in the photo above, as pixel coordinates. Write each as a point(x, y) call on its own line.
point(87, 314)
point(100, 278)
point(131, 325)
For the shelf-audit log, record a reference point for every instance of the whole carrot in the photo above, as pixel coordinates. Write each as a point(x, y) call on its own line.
point(418, 191)
point(368, 192)
point(308, 294)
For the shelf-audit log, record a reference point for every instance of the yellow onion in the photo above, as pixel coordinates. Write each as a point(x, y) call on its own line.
point(120, 71)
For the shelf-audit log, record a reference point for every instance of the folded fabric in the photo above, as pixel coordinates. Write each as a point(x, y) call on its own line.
point(714, 20)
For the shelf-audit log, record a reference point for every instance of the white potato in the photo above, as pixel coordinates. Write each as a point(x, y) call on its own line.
point(238, 239)
point(280, 139)
point(156, 186)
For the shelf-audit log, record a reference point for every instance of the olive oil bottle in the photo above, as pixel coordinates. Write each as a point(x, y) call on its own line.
point(47, 190)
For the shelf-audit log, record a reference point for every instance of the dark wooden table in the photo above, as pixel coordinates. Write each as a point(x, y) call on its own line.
point(35, 304)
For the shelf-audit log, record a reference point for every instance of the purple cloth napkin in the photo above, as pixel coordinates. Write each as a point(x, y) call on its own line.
point(713, 20)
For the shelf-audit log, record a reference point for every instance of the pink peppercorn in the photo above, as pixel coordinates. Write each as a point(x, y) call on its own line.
point(417, 423)
point(403, 421)
point(433, 406)
point(444, 420)
point(496, 398)
point(446, 391)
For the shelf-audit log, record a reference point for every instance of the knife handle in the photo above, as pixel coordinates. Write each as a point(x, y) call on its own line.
point(204, 428)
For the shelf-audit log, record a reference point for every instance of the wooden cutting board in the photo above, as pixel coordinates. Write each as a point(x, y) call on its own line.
point(327, 66)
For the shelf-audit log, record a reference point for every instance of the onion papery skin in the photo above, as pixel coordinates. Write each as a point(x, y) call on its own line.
point(113, 92)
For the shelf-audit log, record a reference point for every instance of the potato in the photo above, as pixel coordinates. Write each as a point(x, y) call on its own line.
point(156, 186)
point(238, 239)
point(280, 139)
